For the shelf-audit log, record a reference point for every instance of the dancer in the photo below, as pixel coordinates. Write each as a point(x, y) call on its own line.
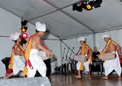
point(33, 60)
point(114, 64)
point(85, 50)
point(15, 62)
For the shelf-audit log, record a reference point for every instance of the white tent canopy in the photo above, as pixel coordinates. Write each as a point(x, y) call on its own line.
point(62, 21)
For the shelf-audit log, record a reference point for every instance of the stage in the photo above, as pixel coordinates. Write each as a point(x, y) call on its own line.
point(70, 80)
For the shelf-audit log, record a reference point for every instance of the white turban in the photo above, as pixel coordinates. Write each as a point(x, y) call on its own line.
point(15, 36)
point(105, 36)
point(81, 39)
point(40, 27)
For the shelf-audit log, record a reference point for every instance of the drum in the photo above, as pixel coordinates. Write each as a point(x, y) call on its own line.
point(44, 55)
point(107, 56)
point(81, 58)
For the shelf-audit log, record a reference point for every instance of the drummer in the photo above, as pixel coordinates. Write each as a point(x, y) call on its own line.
point(33, 60)
point(110, 65)
point(86, 51)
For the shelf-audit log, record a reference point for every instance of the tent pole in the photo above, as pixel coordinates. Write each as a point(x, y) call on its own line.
point(94, 40)
point(61, 52)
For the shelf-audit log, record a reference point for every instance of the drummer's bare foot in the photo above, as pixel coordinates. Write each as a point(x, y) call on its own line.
point(78, 77)
point(89, 78)
point(25, 76)
point(105, 78)
point(5, 78)
point(119, 78)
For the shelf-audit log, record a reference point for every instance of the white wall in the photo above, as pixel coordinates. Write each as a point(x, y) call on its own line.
point(10, 23)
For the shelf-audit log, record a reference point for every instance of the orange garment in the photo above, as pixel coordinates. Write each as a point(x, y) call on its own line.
point(27, 55)
point(106, 47)
point(83, 53)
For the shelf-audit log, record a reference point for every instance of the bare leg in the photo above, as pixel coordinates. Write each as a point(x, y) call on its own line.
point(89, 75)
point(106, 77)
point(6, 77)
point(79, 75)
point(119, 77)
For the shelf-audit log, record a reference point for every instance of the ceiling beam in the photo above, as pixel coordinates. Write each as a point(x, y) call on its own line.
point(56, 10)
point(44, 20)
point(69, 16)
point(52, 29)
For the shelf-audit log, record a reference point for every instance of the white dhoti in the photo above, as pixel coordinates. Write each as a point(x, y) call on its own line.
point(114, 64)
point(86, 65)
point(37, 64)
point(17, 64)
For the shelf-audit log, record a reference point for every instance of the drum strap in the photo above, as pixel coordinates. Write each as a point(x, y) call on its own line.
point(21, 48)
point(43, 43)
point(78, 51)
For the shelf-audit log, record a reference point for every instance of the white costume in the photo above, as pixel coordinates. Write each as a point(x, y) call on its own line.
point(86, 65)
point(114, 64)
point(110, 65)
point(17, 64)
point(37, 64)
point(35, 59)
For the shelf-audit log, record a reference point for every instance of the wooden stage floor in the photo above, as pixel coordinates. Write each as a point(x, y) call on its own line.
point(70, 80)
